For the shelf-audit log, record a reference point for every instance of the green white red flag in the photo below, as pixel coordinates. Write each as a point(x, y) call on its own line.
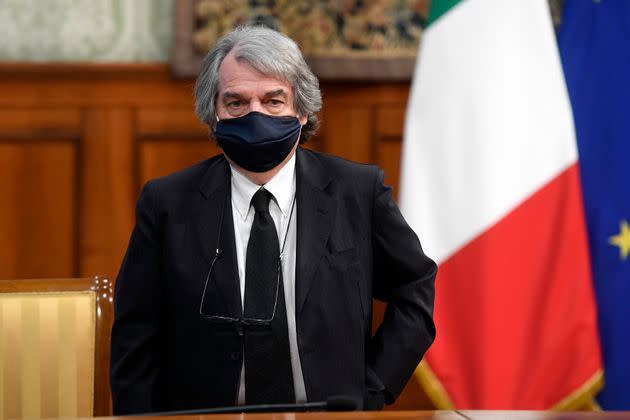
point(490, 183)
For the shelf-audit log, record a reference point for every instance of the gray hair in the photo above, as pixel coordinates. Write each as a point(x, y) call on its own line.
point(272, 54)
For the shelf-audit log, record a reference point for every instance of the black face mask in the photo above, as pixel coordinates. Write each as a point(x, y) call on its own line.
point(258, 142)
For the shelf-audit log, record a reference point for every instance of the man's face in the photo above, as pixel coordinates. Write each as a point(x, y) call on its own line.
point(242, 90)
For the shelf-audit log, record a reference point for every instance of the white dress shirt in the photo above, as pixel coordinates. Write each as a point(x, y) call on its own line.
point(282, 187)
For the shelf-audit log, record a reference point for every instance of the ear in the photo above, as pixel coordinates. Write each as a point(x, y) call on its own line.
point(303, 119)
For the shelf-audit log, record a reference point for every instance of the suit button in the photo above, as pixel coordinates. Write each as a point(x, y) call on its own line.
point(235, 355)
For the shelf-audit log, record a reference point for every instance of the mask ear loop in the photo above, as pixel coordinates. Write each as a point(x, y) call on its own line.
point(214, 126)
point(300, 135)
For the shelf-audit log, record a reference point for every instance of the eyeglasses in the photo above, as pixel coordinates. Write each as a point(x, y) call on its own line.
point(241, 323)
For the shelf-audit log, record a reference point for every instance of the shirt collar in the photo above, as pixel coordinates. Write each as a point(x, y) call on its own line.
point(281, 186)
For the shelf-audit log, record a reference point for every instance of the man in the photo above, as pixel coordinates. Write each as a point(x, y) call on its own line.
point(249, 277)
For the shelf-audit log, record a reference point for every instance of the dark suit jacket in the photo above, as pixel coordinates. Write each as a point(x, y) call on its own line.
point(352, 245)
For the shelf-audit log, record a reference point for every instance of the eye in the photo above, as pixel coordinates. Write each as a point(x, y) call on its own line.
point(275, 102)
point(234, 104)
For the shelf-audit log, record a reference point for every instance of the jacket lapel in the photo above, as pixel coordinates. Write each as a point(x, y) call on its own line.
point(314, 221)
point(213, 219)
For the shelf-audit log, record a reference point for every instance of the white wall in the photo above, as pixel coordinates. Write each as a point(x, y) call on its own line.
point(85, 30)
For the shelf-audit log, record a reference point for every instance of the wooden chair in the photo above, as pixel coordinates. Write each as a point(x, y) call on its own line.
point(54, 347)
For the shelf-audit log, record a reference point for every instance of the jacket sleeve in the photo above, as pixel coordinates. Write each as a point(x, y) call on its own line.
point(137, 297)
point(404, 278)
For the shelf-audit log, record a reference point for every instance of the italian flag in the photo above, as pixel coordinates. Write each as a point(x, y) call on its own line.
point(490, 183)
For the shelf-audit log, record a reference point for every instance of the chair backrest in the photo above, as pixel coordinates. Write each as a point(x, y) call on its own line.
point(54, 347)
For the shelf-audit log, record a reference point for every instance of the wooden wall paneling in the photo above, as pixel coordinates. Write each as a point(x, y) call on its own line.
point(37, 192)
point(365, 93)
point(92, 85)
point(39, 123)
point(389, 133)
point(165, 156)
point(37, 220)
point(356, 115)
point(108, 189)
point(170, 140)
point(157, 122)
point(347, 131)
point(388, 159)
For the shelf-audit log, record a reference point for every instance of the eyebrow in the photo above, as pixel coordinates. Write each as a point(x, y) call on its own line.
point(230, 95)
point(277, 92)
point(271, 94)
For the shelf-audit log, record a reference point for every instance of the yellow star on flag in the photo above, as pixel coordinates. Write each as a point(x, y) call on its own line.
point(622, 240)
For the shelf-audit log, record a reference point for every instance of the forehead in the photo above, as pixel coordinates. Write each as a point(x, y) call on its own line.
point(240, 77)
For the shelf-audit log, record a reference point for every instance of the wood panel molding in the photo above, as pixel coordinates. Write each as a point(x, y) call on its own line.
point(127, 123)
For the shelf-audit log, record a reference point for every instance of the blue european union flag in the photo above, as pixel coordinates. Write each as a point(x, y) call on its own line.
point(594, 43)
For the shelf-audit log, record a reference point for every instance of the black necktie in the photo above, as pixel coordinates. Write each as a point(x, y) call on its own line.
point(268, 376)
